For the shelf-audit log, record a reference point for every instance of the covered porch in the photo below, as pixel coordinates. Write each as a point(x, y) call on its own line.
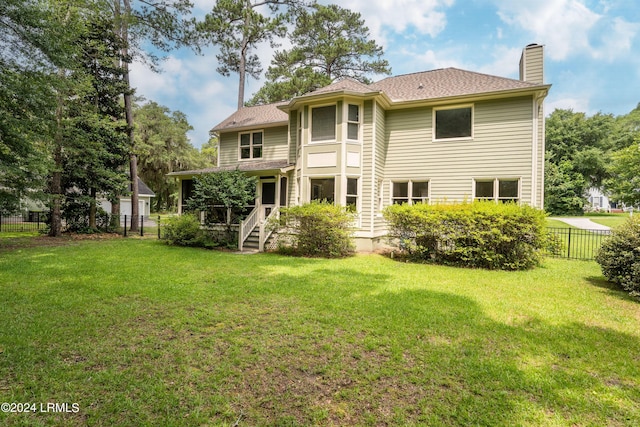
point(272, 192)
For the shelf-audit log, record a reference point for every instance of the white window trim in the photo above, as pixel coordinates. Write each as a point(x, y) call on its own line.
point(324, 141)
point(358, 194)
point(310, 190)
point(409, 189)
point(496, 187)
point(347, 121)
point(453, 107)
point(251, 132)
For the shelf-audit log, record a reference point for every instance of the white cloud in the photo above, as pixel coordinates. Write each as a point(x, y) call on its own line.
point(567, 102)
point(569, 27)
point(382, 16)
point(562, 25)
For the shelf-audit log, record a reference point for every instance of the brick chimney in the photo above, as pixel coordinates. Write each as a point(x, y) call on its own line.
point(532, 64)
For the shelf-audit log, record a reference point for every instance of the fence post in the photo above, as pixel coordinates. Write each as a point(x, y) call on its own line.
point(125, 226)
point(569, 245)
point(38, 221)
point(141, 225)
point(0, 222)
point(159, 227)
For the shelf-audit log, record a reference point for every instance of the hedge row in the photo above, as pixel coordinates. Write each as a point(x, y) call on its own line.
point(478, 235)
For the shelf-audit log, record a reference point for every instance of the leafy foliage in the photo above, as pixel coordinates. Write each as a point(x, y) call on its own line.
point(238, 27)
point(185, 230)
point(479, 235)
point(619, 256)
point(163, 147)
point(329, 43)
point(576, 158)
point(317, 229)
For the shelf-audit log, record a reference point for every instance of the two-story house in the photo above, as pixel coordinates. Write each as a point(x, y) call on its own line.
point(446, 135)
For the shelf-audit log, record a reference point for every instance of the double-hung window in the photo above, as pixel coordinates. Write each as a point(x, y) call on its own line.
point(251, 145)
point(498, 189)
point(323, 123)
point(353, 122)
point(453, 123)
point(411, 192)
point(352, 194)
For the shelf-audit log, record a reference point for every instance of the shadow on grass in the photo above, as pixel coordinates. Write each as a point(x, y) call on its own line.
point(299, 342)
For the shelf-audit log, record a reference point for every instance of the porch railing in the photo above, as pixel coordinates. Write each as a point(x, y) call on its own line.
point(247, 226)
point(265, 231)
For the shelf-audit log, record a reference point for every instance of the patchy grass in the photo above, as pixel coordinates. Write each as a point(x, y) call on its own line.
point(138, 333)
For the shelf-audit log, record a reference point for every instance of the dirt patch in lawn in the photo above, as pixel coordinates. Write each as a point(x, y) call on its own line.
point(13, 243)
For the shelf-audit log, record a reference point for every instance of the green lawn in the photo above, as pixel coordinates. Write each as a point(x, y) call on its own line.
point(138, 333)
point(610, 220)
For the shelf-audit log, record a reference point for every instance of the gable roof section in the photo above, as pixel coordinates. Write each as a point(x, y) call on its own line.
point(445, 83)
point(143, 189)
point(250, 117)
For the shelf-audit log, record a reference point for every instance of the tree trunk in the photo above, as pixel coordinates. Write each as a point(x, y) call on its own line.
point(56, 177)
point(128, 105)
point(242, 67)
point(93, 210)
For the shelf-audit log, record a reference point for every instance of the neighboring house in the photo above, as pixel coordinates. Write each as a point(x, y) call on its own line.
point(598, 201)
point(144, 201)
point(438, 136)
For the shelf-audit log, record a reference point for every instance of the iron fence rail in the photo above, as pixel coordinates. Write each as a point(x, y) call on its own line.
point(577, 243)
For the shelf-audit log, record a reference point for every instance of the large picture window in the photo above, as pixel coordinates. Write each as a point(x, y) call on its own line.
point(323, 123)
point(251, 145)
point(323, 189)
point(499, 190)
point(452, 123)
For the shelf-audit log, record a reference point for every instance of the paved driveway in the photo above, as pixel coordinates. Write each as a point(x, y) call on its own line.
point(584, 223)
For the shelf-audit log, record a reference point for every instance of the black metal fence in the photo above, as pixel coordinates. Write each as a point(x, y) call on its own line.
point(573, 243)
point(38, 222)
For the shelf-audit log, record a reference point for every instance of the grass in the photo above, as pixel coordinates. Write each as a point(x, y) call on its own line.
point(610, 220)
point(138, 333)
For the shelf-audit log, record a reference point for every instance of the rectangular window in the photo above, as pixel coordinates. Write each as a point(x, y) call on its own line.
point(452, 123)
point(353, 122)
point(352, 194)
point(323, 123)
point(400, 193)
point(419, 192)
point(411, 192)
point(283, 191)
point(251, 145)
point(501, 190)
point(323, 189)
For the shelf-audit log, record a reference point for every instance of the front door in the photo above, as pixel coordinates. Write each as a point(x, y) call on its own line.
point(268, 197)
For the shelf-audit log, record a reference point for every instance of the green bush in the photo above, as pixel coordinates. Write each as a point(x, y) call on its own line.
point(479, 235)
point(317, 229)
point(185, 230)
point(619, 256)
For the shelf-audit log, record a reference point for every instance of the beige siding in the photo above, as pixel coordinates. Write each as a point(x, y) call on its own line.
point(532, 64)
point(366, 188)
point(380, 160)
point(501, 147)
point(275, 146)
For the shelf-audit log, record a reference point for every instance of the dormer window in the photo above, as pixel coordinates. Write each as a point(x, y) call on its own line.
point(323, 123)
point(250, 145)
point(453, 123)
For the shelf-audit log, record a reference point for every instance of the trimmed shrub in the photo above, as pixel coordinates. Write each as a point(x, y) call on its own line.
point(479, 234)
point(619, 256)
point(185, 230)
point(317, 229)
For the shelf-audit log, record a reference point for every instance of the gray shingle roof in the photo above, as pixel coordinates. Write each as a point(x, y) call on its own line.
point(259, 115)
point(443, 83)
point(143, 189)
point(347, 84)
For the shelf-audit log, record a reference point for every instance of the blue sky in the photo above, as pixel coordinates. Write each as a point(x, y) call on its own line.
point(592, 52)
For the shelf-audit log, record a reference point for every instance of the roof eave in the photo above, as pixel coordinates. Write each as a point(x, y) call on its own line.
point(326, 95)
point(539, 91)
point(249, 127)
